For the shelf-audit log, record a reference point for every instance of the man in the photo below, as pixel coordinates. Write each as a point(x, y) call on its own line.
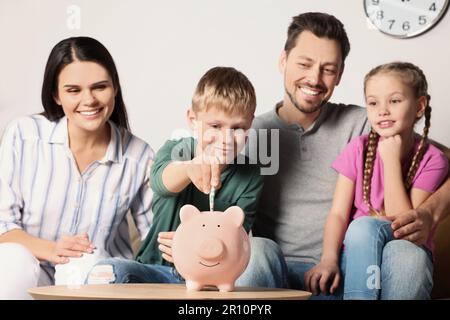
point(295, 201)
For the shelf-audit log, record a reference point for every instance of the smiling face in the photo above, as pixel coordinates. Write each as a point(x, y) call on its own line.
point(86, 94)
point(392, 107)
point(311, 71)
point(220, 135)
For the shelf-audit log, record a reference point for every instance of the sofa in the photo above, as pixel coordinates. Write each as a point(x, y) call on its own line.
point(441, 275)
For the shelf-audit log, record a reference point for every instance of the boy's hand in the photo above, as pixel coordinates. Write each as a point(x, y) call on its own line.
point(318, 279)
point(204, 172)
point(70, 246)
point(165, 240)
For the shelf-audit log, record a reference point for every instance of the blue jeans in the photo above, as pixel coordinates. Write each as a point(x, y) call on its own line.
point(130, 271)
point(268, 268)
point(374, 270)
point(401, 262)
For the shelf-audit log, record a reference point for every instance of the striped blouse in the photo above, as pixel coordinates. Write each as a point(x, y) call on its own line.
point(43, 193)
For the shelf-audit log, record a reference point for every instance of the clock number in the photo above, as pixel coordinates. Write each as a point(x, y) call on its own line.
point(375, 2)
point(433, 7)
point(422, 20)
point(406, 26)
point(380, 15)
point(391, 23)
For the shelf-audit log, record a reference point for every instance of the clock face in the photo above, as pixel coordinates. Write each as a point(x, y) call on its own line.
point(404, 18)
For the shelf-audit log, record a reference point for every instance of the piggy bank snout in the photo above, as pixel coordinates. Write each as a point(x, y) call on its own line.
point(211, 249)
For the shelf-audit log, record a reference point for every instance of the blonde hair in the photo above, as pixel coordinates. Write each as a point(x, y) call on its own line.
point(414, 78)
point(225, 89)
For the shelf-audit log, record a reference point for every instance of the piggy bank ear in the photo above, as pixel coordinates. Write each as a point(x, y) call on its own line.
point(188, 211)
point(236, 215)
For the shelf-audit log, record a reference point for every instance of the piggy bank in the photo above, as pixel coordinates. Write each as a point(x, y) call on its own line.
point(210, 248)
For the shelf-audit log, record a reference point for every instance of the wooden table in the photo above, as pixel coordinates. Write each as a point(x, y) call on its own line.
point(153, 291)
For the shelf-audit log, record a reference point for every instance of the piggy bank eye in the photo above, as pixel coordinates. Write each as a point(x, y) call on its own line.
point(203, 225)
point(218, 225)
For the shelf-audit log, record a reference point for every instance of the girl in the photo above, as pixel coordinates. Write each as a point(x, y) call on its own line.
point(69, 175)
point(385, 173)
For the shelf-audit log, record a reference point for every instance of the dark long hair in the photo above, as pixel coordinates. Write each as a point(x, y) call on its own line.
point(82, 49)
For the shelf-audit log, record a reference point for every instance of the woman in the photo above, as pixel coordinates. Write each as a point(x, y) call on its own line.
point(69, 175)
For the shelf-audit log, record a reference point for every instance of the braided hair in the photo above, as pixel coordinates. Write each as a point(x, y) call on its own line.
point(413, 77)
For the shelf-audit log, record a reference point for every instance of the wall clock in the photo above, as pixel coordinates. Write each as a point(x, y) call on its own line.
point(405, 18)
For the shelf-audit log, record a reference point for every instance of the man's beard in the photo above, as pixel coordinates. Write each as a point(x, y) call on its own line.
point(300, 108)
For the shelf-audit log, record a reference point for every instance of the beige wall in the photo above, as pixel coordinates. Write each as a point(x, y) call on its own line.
point(163, 47)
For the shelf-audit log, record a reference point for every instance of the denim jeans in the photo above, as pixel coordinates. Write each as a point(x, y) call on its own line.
point(129, 271)
point(402, 261)
point(380, 267)
point(268, 268)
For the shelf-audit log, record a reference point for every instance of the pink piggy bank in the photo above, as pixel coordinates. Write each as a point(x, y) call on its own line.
point(211, 248)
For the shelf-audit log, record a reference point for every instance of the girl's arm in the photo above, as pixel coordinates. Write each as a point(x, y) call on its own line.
point(326, 274)
point(396, 199)
point(338, 218)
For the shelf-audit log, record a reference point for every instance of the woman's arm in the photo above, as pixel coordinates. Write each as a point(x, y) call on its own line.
point(40, 248)
point(51, 251)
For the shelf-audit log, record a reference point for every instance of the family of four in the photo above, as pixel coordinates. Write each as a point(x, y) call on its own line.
point(357, 194)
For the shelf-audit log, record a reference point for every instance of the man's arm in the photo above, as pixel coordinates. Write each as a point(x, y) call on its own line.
point(438, 205)
point(415, 225)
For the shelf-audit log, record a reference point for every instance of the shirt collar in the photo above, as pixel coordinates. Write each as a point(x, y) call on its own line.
point(114, 151)
point(60, 135)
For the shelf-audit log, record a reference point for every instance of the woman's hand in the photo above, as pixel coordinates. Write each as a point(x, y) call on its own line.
point(319, 278)
point(70, 246)
point(165, 240)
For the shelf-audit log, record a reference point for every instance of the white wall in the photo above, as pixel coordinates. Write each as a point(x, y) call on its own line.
point(162, 48)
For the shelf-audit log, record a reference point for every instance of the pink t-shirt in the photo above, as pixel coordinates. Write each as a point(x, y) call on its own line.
point(431, 173)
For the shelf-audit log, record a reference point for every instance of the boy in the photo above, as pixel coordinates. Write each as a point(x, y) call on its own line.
point(222, 111)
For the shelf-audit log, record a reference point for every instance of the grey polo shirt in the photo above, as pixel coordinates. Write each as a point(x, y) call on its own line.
point(296, 200)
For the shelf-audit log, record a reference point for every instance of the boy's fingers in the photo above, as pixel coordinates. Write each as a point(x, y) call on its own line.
point(166, 234)
point(166, 242)
point(167, 257)
point(206, 177)
point(165, 249)
point(215, 175)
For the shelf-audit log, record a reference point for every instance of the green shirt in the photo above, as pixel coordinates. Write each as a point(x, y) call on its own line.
point(241, 186)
